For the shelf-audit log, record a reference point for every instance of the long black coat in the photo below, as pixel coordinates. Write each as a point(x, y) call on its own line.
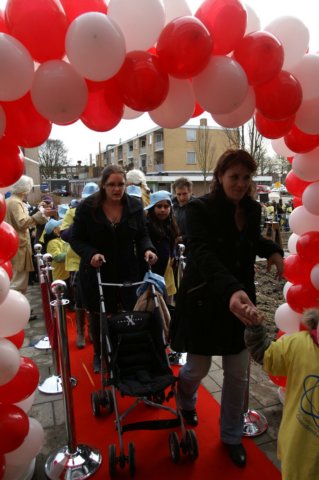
point(220, 262)
point(123, 247)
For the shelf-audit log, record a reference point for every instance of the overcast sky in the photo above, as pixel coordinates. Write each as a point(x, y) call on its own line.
point(81, 141)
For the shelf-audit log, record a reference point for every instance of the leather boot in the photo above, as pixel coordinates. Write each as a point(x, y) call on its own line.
point(80, 324)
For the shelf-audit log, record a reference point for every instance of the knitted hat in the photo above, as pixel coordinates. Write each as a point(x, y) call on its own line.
point(23, 185)
point(136, 177)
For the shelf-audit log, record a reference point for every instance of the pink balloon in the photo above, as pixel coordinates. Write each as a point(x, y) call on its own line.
point(178, 106)
point(310, 198)
point(314, 276)
point(306, 165)
point(14, 313)
point(95, 46)
point(4, 285)
point(240, 115)
point(58, 92)
point(222, 86)
point(301, 221)
point(17, 69)
point(9, 361)
point(307, 117)
point(307, 73)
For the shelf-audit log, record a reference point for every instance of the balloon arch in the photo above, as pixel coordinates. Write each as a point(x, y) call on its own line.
point(68, 60)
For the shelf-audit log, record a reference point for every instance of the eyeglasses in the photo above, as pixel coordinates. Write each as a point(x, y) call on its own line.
point(115, 185)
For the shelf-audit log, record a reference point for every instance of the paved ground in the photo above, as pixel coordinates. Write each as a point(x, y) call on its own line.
point(49, 409)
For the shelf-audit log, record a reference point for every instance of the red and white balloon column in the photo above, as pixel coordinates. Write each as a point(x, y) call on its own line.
point(69, 60)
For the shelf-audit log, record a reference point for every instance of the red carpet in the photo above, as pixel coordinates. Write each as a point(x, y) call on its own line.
point(153, 459)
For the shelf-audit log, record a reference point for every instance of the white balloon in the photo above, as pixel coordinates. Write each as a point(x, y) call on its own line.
point(130, 114)
point(14, 313)
point(20, 472)
point(286, 288)
point(240, 115)
point(141, 21)
point(292, 241)
point(253, 21)
point(222, 86)
point(176, 8)
point(314, 276)
point(17, 68)
point(27, 403)
point(294, 37)
point(4, 284)
point(301, 221)
point(310, 198)
point(286, 319)
point(281, 148)
point(177, 107)
point(3, 122)
point(9, 361)
point(307, 117)
point(30, 446)
point(306, 165)
point(95, 46)
point(306, 72)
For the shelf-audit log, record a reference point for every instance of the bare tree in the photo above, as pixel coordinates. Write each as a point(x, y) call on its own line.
point(53, 157)
point(205, 150)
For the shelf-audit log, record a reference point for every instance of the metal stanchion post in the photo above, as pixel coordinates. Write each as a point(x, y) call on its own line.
point(254, 423)
point(72, 461)
point(44, 342)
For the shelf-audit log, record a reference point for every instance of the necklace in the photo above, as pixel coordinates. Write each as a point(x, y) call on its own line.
point(113, 217)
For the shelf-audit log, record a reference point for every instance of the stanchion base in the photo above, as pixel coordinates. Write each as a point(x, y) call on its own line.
point(81, 464)
point(51, 385)
point(43, 344)
point(254, 424)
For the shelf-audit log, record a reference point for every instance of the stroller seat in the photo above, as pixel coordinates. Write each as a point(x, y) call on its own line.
point(139, 363)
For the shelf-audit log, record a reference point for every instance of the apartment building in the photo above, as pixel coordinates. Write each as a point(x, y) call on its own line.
point(166, 154)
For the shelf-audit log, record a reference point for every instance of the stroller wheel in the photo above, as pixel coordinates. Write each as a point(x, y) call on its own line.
point(174, 446)
point(96, 404)
point(191, 444)
point(107, 400)
point(112, 460)
point(131, 458)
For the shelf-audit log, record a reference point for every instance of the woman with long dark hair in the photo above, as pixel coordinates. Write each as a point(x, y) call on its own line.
point(109, 232)
point(217, 297)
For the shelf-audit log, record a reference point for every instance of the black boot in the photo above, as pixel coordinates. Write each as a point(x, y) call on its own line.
point(80, 325)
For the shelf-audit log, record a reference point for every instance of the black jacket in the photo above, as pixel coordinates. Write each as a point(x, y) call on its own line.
point(220, 262)
point(123, 246)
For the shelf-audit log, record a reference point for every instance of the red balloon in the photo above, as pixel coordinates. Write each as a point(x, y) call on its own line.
point(14, 427)
point(3, 29)
point(297, 269)
point(261, 55)
point(2, 465)
point(300, 142)
point(17, 339)
point(295, 185)
point(74, 8)
point(280, 333)
point(280, 98)
point(226, 21)
point(22, 384)
point(290, 159)
point(184, 47)
point(7, 266)
point(11, 162)
point(25, 126)
point(307, 246)
point(142, 81)
point(104, 109)
point(9, 242)
point(40, 26)
point(297, 202)
point(3, 207)
point(278, 380)
point(197, 111)
point(301, 297)
point(273, 128)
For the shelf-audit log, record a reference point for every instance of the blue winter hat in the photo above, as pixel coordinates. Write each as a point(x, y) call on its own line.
point(134, 191)
point(62, 209)
point(159, 197)
point(51, 225)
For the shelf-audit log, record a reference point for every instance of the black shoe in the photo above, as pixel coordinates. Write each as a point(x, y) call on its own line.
point(190, 417)
point(237, 454)
point(96, 364)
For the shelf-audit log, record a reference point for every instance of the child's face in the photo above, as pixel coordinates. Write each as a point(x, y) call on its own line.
point(57, 230)
point(162, 209)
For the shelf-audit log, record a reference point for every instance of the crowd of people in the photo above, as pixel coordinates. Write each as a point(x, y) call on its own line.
point(123, 228)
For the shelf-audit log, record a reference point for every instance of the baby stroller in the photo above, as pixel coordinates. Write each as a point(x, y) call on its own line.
point(136, 365)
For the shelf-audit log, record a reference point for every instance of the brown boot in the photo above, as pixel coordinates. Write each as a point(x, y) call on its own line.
point(80, 323)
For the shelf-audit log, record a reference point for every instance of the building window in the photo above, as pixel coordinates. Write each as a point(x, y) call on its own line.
point(191, 158)
point(191, 135)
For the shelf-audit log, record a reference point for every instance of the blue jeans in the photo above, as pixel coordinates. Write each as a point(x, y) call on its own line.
point(233, 391)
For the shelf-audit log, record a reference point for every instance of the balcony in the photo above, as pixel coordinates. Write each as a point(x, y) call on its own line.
point(159, 146)
point(159, 167)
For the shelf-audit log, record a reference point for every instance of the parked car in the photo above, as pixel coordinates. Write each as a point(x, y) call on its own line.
point(262, 189)
point(62, 192)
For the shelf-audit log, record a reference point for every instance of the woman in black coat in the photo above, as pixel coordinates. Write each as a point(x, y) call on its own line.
point(109, 232)
point(216, 299)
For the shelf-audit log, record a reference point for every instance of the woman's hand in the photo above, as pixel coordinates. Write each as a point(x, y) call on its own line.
point(97, 260)
point(150, 257)
point(244, 309)
point(277, 260)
